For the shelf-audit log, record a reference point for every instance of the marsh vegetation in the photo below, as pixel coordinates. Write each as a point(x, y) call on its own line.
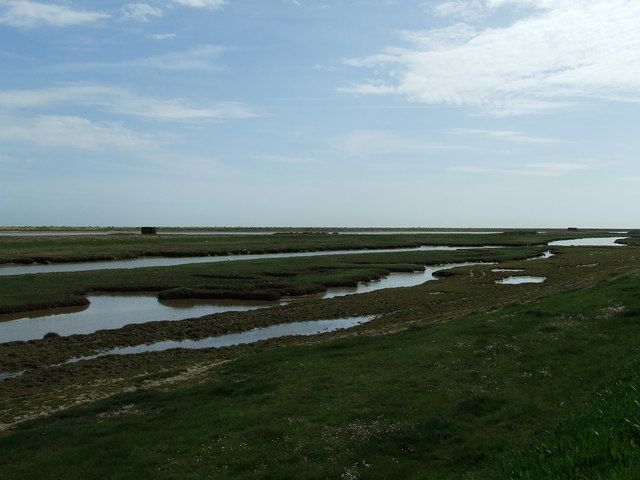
point(456, 378)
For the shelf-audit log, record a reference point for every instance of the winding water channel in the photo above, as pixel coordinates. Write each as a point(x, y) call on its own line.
point(298, 329)
point(113, 311)
point(12, 269)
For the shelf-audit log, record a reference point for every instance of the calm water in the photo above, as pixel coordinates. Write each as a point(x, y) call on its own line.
point(11, 269)
point(8, 375)
point(112, 312)
point(589, 242)
point(521, 280)
point(167, 262)
point(106, 312)
point(544, 256)
point(257, 334)
point(395, 280)
point(315, 327)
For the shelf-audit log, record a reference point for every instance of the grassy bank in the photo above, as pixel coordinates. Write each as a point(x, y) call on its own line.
point(436, 401)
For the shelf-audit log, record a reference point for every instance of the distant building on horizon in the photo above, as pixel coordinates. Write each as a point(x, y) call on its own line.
point(148, 230)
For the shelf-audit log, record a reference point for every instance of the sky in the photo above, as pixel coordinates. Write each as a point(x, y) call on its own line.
point(443, 113)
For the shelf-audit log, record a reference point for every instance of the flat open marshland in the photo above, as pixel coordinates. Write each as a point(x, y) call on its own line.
point(413, 355)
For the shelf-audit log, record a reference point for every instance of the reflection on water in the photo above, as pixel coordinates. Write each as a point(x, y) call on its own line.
point(315, 327)
point(112, 312)
point(544, 256)
point(589, 242)
point(8, 375)
point(167, 262)
point(395, 280)
point(521, 280)
point(304, 329)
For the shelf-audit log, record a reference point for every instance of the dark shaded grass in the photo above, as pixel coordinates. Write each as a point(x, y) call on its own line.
point(602, 440)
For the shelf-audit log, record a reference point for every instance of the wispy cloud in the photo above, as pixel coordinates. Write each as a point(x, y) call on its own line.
point(550, 169)
point(201, 57)
point(140, 12)
point(464, 9)
point(71, 131)
point(286, 159)
point(367, 143)
point(209, 4)
point(122, 101)
point(474, 10)
point(560, 54)
point(503, 135)
point(163, 36)
point(29, 14)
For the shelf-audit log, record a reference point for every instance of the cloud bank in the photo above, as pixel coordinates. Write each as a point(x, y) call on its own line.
point(28, 14)
point(560, 54)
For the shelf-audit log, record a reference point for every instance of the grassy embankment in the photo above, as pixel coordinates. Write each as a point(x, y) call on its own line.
point(113, 247)
point(436, 401)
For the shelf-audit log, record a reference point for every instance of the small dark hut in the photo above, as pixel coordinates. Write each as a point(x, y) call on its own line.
point(148, 230)
point(573, 229)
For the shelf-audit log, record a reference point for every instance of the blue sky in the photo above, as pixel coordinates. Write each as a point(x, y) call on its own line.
point(337, 113)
